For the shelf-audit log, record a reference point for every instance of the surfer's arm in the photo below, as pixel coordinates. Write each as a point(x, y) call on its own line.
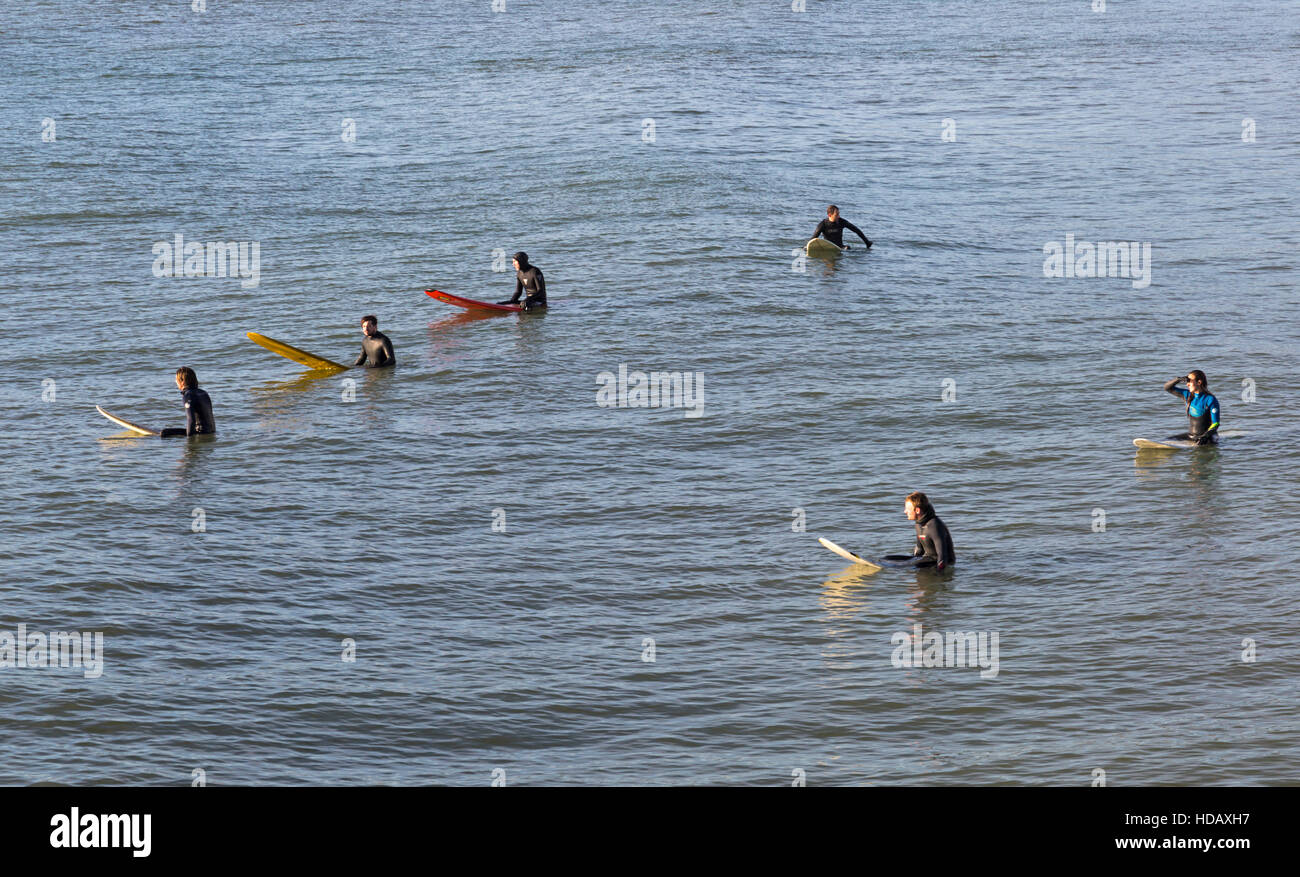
point(1171, 386)
point(541, 285)
point(941, 549)
point(821, 226)
point(361, 357)
point(857, 231)
point(519, 290)
point(389, 357)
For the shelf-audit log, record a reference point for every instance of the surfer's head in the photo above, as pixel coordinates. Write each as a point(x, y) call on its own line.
point(521, 261)
point(369, 324)
point(1196, 381)
point(185, 378)
point(832, 212)
point(917, 505)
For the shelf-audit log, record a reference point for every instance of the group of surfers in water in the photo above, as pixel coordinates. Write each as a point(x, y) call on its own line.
point(933, 542)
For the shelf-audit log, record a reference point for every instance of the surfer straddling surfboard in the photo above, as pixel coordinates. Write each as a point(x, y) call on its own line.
point(528, 278)
point(833, 228)
point(376, 349)
point(1202, 408)
point(933, 542)
point(198, 407)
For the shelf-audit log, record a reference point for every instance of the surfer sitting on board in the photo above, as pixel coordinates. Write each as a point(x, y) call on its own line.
point(833, 228)
point(375, 347)
point(528, 278)
point(198, 407)
point(933, 542)
point(1202, 408)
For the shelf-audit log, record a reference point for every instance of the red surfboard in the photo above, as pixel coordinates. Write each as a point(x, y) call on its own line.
point(469, 302)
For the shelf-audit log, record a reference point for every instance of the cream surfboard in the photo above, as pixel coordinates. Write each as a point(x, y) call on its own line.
point(1180, 444)
point(821, 247)
point(1171, 445)
point(126, 424)
point(288, 351)
point(847, 555)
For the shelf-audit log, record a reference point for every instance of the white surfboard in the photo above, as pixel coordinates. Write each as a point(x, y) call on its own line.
point(1180, 444)
point(821, 247)
point(847, 555)
point(126, 424)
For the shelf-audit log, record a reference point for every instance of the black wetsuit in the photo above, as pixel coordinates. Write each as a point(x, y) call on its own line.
point(834, 231)
point(933, 543)
point(378, 350)
point(1202, 414)
point(198, 415)
point(530, 280)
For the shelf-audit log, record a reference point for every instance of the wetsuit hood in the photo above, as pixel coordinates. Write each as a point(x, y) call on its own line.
point(522, 258)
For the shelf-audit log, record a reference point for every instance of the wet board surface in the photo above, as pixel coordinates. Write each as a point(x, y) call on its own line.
point(821, 247)
point(470, 303)
point(126, 424)
point(288, 351)
point(846, 554)
point(1169, 445)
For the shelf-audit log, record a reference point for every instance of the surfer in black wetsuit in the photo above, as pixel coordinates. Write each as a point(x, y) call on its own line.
point(198, 407)
point(376, 349)
point(933, 542)
point(1202, 408)
point(528, 279)
point(832, 227)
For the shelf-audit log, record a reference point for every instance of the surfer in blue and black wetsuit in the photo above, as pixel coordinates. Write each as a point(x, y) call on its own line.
point(198, 407)
point(528, 279)
point(833, 228)
point(1202, 408)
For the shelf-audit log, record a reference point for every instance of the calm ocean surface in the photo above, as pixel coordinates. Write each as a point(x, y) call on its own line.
point(659, 161)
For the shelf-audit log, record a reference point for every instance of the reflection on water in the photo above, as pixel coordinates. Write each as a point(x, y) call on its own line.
point(1200, 466)
point(279, 404)
point(305, 381)
point(927, 592)
point(191, 462)
point(445, 344)
point(843, 598)
point(823, 266)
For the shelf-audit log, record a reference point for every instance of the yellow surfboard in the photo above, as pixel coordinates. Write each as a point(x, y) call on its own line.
point(288, 351)
point(848, 555)
point(126, 424)
point(1173, 445)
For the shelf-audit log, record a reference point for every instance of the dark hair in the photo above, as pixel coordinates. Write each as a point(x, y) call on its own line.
point(187, 376)
point(1200, 379)
point(832, 209)
point(921, 501)
point(371, 318)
